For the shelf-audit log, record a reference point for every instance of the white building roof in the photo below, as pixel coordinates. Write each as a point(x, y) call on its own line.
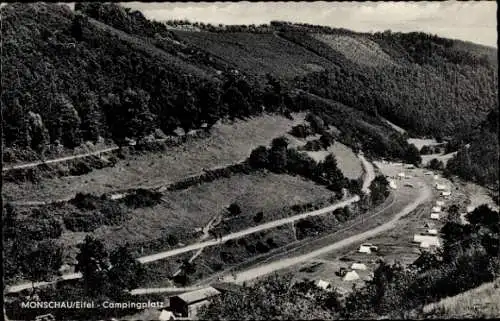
point(439, 203)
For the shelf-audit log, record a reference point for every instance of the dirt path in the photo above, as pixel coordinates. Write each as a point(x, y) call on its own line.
point(60, 159)
point(251, 230)
point(120, 193)
point(424, 195)
point(158, 256)
point(369, 174)
point(202, 245)
point(141, 291)
point(206, 234)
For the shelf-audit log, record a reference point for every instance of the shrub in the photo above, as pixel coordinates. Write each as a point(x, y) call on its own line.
point(78, 222)
point(436, 164)
point(142, 198)
point(85, 201)
point(301, 131)
point(234, 209)
point(261, 247)
point(259, 157)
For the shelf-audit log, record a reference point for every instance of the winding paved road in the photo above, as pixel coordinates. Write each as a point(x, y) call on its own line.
point(369, 174)
point(424, 195)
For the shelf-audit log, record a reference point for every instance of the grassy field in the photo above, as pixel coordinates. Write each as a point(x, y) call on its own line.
point(421, 142)
point(481, 302)
point(347, 161)
point(357, 49)
point(183, 211)
point(228, 143)
point(258, 53)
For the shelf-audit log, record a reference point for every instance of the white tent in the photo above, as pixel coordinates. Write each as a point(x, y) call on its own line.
point(64, 268)
point(436, 177)
point(166, 315)
point(435, 216)
point(425, 245)
point(436, 209)
point(439, 203)
point(445, 193)
point(351, 276)
point(392, 185)
point(364, 249)
point(358, 266)
point(402, 175)
point(432, 231)
point(440, 187)
point(322, 284)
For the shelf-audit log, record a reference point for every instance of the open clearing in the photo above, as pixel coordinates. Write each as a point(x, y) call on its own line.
point(421, 142)
point(269, 52)
point(229, 143)
point(184, 211)
point(359, 50)
point(348, 163)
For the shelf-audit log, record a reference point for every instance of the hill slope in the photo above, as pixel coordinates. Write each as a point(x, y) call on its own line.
point(105, 71)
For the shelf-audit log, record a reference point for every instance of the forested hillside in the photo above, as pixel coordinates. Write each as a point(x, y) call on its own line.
point(106, 71)
point(70, 78)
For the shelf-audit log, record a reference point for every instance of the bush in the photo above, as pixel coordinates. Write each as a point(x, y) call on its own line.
point(259, 157)
point(234, 209)
point(85, 201)
point(261, 247)
point(301, 131)
point(426, 150)
point(80, 168)
point(78, 222)
point(258, 217)
point(436, 164)
point(143, 198)
point(313, 145)
point(317, 124)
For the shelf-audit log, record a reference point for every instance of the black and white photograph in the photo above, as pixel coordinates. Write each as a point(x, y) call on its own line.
point(249, 160)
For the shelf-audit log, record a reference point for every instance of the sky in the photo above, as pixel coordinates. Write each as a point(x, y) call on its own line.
point(473, 21)
point(470, 21)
